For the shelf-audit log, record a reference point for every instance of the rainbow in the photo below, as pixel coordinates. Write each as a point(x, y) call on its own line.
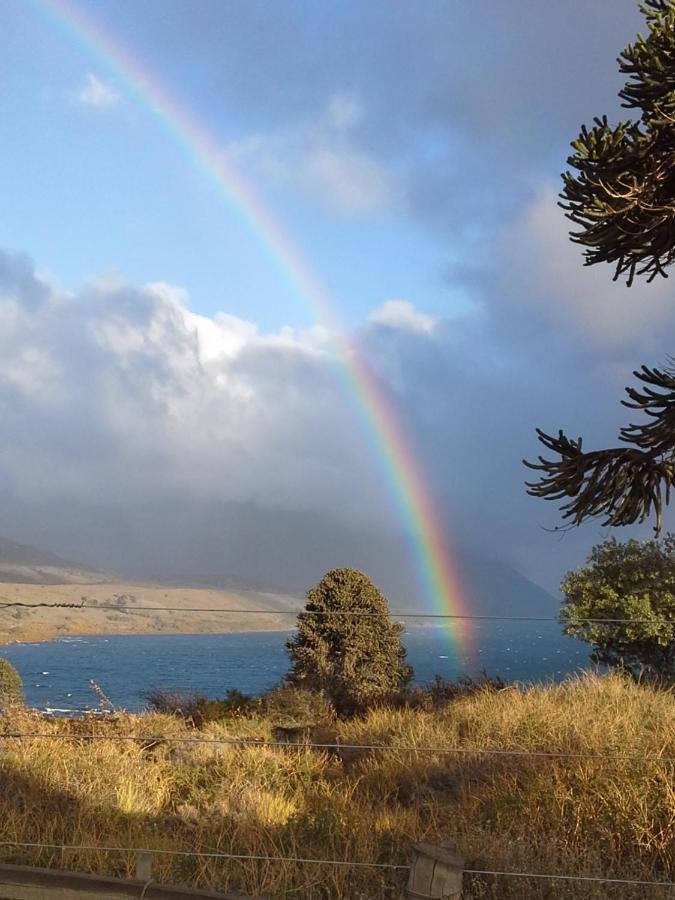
point(437, 569)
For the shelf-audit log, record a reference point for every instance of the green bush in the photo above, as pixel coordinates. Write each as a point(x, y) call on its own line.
point(198, 709)
point(632, 585)
point(346, 645)
point(233, 704)
point(11, 686)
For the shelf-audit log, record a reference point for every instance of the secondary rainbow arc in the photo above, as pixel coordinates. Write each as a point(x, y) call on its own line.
point(437, 568)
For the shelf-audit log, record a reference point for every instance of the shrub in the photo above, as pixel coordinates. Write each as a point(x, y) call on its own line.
point(633, 581)
point(286, 705)
point(173, 703)
point(439, 692)
point(233, 704)
point(11, 686)
point(198, 709)
point(347, 645)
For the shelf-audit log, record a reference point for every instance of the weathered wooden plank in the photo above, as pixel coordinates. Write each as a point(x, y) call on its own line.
point(435, 873)
point(421, 875)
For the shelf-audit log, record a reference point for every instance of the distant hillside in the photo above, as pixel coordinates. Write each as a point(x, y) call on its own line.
point(32, 575)
point(496, 588)
point(234, 547)
point(246, 549)
point(123, 608)
point(23, 564)
point(490, 586)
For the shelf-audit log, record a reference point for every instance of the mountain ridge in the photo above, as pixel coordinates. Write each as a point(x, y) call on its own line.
point(26, 564)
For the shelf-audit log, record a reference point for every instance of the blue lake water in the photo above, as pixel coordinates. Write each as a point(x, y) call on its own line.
point(57, 674)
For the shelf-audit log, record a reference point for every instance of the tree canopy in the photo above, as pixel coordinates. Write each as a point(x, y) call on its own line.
point(632, 581)
point(622, 197)
point(346, 643)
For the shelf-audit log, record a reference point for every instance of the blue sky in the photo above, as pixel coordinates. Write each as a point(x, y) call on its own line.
point(99, 172)
point(156, 353)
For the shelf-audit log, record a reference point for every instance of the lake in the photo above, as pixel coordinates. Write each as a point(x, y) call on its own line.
point(57, 674)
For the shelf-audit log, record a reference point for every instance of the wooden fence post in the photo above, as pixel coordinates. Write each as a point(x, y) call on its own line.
point(144, 865)
point(435, 873)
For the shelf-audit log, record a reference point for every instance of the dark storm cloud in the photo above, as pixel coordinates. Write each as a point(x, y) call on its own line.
point(551, 344)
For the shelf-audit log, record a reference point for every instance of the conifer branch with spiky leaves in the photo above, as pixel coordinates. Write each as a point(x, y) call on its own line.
point(622, 197)
point(624, 485)
point(623, 193)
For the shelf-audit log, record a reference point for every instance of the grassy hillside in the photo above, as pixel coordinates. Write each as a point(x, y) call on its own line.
point(118, 608)
point(584, 816)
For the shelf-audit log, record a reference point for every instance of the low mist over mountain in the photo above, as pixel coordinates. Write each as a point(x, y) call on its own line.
point(496, 588)
point(243, 546)
point(21, 563)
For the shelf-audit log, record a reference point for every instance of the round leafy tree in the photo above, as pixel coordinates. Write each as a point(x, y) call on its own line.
point(346, 643)
point(635, 581)
point(11, 686)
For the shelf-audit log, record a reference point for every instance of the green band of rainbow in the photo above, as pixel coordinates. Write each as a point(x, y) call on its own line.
point(437, 569)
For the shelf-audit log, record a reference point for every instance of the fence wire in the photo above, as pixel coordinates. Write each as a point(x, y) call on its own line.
point(214, 854)
point(155, 739)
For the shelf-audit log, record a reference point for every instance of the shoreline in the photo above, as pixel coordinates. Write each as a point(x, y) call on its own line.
point(166, 633)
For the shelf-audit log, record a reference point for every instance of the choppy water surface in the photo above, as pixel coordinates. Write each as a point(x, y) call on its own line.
point(57, 674)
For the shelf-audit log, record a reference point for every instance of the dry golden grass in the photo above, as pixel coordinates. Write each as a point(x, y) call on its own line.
point(134, 610)
point(614, 818)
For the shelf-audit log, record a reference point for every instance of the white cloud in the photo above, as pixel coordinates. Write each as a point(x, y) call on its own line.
point(121, 392)
point(544, 271)
point(344, 111)
point(322, 159)
point(31, 373)
point(402, 315)
point(96, 93)
point(121, 397)
point(351, 182)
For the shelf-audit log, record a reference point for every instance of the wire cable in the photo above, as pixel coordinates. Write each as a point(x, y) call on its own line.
point(402, 614)
point(299, 745)
point(592, 878)
point(206, 854)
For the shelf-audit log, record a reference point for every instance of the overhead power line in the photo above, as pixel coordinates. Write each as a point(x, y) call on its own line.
point(401, 614)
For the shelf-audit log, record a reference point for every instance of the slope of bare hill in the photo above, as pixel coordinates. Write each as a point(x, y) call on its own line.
point(118, 608)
